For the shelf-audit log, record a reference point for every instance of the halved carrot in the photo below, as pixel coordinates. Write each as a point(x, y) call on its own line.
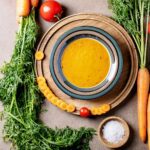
point(34, 3)
point(143, 82)
point(23, 8)
point(148, 121)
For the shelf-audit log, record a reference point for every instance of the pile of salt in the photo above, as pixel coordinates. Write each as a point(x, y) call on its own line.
point(113, 131)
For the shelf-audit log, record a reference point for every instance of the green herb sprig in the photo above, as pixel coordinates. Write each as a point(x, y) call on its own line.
point(133, 15)
point(22, 101)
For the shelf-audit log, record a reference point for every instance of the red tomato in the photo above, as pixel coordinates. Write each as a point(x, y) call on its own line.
point(84, 112)
point(51, 11)
point(149, 27)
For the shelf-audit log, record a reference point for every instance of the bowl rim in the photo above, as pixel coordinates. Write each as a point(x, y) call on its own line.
point(100, 84)
point(120, 62)
point(125, 126)
point(108, 80)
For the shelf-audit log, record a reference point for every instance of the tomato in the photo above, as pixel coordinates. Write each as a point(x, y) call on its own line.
point(51, 11)
point(149, 27)
point(84, 112)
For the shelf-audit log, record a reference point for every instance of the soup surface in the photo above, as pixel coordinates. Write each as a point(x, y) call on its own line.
point(85, 62)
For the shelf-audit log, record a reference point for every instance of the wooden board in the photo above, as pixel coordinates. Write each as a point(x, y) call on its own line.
point(130, 67)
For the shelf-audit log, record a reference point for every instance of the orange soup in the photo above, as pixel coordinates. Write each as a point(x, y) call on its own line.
point(85, 62)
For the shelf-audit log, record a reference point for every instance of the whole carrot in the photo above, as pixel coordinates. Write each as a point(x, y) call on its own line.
point(143, 82)
point(138, 13)
point(23, 8)
point(148, 121)
point(34, 3)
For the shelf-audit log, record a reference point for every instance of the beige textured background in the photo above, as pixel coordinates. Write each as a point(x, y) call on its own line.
point(55, 117)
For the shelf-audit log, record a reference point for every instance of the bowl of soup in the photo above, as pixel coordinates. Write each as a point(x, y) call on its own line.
point(86, 62)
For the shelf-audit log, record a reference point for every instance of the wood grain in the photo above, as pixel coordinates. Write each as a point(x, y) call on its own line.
point(130, 67)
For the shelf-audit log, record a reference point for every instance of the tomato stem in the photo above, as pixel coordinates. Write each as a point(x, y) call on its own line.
point(57, 17)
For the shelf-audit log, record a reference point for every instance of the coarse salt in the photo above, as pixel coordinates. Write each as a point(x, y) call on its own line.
point(113, 131)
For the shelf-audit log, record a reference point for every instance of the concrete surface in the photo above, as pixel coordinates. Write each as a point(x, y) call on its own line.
point(54, 117)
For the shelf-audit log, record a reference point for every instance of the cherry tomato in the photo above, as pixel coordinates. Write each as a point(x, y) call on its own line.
point(149, 27)
point(84, 112)
point(51, 11)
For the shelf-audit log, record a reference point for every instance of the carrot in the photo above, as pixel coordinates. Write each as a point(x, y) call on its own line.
point(142, 93)
point(34, 3)
point(148, 121)
point(23, 8)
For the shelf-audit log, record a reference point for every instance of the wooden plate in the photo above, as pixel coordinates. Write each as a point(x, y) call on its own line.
point(130, 66)
point(115, 69)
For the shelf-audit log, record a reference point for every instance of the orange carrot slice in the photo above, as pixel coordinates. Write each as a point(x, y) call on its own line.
point(63, 106)
point(70, 108)
point(39, 55)
point(41, 79)
point(94, 111)
point(54, 100)
point(49, 96)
